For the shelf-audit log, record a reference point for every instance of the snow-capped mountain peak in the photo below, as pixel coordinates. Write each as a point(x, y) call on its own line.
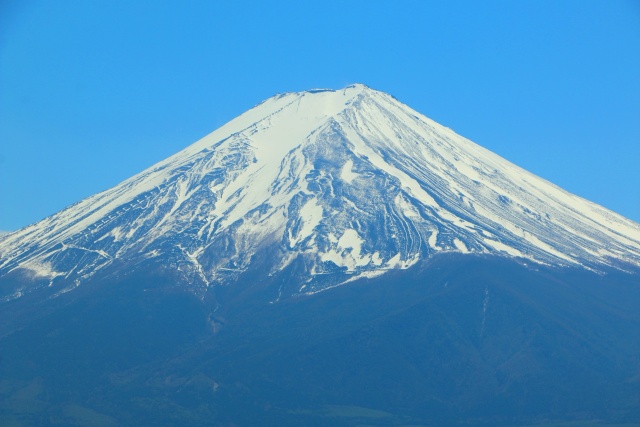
point(348, 183)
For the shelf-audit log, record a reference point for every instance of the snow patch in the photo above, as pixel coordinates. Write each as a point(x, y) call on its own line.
point(433, 240)
point(41, 269)
point(503, 248)
point(460, 246)
point(311, 214)
point(347, 174)
point(348, 251)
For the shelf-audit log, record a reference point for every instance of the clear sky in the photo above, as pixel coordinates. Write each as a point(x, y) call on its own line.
point(92, 92)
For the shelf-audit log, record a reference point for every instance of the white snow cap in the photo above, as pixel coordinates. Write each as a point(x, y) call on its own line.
point(351, 181)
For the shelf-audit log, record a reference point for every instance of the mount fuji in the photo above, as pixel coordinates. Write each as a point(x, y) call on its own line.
point(348, 183)
point(329, 257)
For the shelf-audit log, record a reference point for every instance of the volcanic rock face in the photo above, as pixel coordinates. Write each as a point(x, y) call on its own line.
point(346, 184)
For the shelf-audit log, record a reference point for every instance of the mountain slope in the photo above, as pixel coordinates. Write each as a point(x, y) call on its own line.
point(460, 340)
point(189, 295)
point(350, 183)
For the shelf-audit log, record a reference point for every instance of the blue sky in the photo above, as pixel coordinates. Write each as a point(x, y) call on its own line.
point(92, 92)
